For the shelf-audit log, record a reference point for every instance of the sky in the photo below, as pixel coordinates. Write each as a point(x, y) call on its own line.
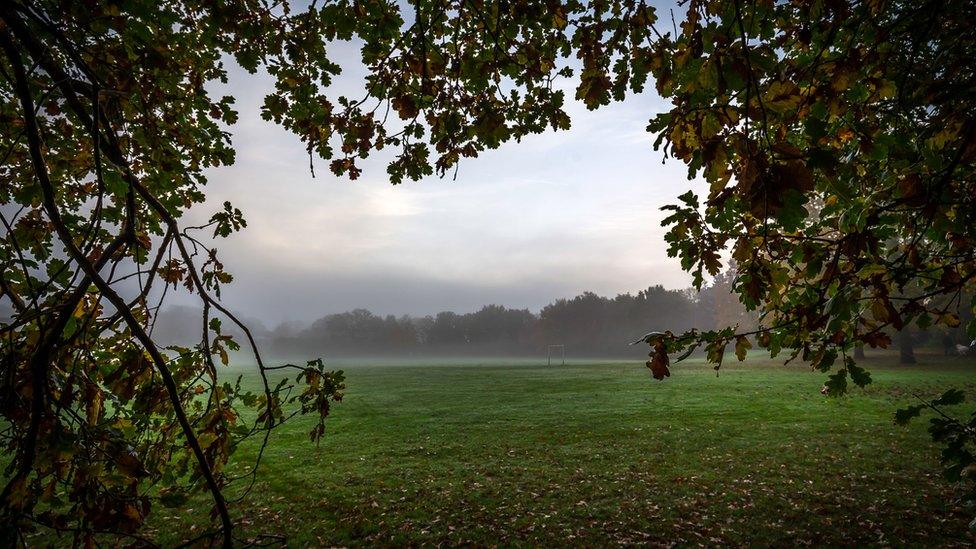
point(555, 215)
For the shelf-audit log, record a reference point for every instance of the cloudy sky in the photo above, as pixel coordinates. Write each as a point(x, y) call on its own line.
point(550, 217)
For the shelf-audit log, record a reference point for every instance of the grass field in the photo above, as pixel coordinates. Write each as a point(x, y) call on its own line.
point(600, 453)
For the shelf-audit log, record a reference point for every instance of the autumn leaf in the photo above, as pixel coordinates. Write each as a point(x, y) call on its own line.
point(949, 319)
point(659, 361)
point(742, 346)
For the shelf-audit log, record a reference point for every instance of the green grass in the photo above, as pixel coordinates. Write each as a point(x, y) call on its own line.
point(596, 454)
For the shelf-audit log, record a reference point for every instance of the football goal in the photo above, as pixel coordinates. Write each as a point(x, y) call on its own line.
point(558, 351)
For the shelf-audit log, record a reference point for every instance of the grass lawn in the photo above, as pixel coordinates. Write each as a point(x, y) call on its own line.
point(600, 453)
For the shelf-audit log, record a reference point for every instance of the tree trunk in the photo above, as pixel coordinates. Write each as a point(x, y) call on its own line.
point(906, 345)
point(859, 352)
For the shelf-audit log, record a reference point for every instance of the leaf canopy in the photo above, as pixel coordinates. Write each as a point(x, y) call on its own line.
point(836, 138)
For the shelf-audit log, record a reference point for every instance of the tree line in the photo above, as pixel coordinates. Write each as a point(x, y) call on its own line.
point(587, 324)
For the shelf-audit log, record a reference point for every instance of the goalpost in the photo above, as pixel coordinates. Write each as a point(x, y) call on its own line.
point(562, 353)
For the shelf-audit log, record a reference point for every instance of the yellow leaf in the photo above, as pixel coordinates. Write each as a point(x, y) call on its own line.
point(132, 512)
point(782, 96)
point(79, 310)
point(95, 407)
point(949, 319)
point(879, 310)
point(742, 346)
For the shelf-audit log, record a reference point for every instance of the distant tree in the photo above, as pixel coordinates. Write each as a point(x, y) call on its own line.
point(289, 328)
point(495, 325)
point(599, 325)
point(725, 306)
point(422, 328)
point(403, 332)
point(906, 347)
point(581, 320)
point(446, 330)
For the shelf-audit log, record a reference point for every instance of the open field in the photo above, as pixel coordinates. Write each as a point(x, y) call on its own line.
point(600, 453)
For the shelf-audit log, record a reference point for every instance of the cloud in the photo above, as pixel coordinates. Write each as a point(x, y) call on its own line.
point(550, 217)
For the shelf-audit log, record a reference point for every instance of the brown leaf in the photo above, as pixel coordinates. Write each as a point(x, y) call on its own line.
point(659, 361)
point(877, 339)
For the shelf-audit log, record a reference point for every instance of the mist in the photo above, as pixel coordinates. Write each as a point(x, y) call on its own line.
point(587, 325)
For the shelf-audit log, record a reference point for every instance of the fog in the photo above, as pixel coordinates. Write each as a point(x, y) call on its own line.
point(588, 325)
